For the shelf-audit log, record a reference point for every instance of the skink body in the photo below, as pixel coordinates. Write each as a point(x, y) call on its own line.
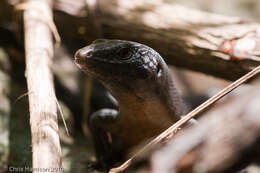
point(139, 79)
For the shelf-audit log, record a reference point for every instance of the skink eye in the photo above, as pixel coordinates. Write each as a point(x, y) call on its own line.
point(124, 53)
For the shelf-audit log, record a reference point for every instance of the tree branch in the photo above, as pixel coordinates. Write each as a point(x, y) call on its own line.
point(187, 38)
point(43, 115)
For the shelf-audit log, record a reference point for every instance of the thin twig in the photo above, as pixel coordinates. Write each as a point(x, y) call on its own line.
point(86, 105)
point(21, 96)
point(189, 116)
point(62, 116)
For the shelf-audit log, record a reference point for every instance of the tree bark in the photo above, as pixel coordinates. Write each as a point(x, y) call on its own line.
point(43, 115)
point(184, 37)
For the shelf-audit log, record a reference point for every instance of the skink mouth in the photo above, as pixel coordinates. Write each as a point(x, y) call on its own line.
point(77, 57)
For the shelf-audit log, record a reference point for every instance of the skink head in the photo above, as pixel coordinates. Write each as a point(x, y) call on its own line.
point(118, 61)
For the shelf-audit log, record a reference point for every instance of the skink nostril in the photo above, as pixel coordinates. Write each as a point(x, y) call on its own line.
point(85, 53)
point(89, 53)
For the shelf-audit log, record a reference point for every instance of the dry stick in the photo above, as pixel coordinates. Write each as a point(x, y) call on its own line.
point(62, 116)
point(86, 105)
point(20, 97)
point(46, 150)
point(189, 116)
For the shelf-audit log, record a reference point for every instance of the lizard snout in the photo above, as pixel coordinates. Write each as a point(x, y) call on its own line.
point(83, 54)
